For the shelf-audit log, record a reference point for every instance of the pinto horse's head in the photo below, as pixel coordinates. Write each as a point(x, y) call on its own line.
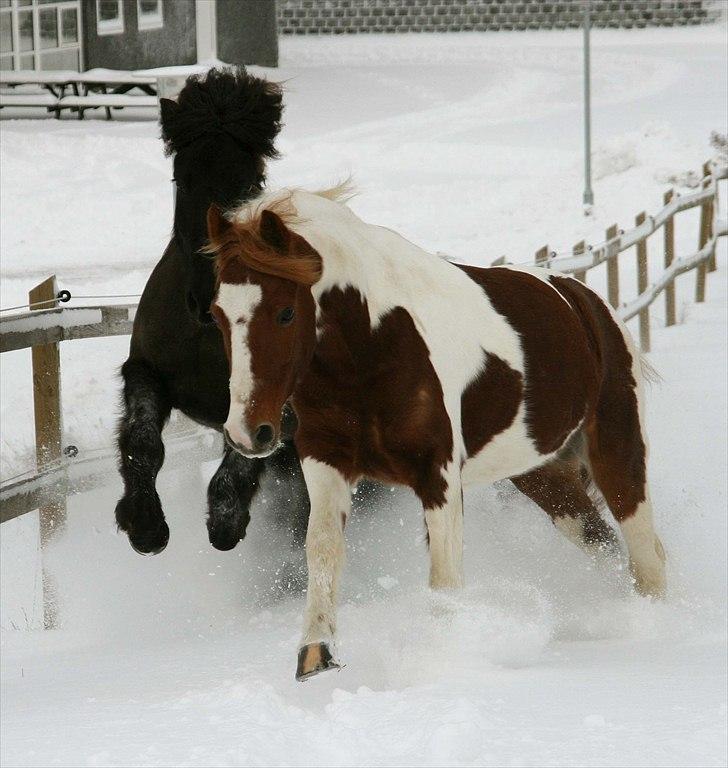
point(220, 130)
point(267, 315)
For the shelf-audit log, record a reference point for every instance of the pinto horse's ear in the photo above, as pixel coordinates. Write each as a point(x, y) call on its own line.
point(300, 261)
point(217, 225)
point(275, 232)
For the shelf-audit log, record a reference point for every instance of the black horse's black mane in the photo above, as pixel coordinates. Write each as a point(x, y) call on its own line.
point(226, 100)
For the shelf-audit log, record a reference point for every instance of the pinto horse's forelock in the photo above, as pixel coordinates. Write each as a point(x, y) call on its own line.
point(263, 243)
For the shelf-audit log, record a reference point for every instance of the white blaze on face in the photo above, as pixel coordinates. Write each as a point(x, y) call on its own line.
point(238, 302)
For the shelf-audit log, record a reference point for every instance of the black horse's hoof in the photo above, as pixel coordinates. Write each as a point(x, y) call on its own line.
point(143, 521)
point(224, 535)
point(150, 542)
point(313, 659)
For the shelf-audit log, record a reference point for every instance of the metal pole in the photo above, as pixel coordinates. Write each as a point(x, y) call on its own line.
point(588, 194)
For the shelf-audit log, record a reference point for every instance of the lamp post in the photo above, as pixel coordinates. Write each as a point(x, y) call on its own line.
point(588, 194)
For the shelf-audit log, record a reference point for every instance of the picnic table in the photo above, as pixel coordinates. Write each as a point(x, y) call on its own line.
point(106, 88)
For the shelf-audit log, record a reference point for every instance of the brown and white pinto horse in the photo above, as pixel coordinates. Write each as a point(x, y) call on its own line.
point(408, 369)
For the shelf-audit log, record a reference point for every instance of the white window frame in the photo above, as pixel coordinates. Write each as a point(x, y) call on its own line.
point(150, 20)
point(110, 26)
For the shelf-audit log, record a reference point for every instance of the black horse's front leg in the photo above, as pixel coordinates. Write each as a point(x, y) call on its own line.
point(285, 468)
point(141, 454)
point(229, 495)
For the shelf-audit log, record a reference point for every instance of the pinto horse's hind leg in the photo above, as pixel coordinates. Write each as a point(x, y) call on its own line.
point(618, 464)
point(141, 454)
point(229, 495)
point(561, 490)
point(617, 450)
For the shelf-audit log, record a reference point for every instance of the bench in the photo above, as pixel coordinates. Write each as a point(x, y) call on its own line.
point(47, 100)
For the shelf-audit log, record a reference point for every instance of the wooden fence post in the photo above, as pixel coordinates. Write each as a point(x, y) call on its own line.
point(670, 318)
point(48, 435)
point(708, 170)
point(542, 256)
point(613, 267)
point(706, 225)
point(642, 281)
point(577, 250)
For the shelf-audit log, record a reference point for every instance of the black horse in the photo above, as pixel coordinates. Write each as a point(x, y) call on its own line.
point(221, 130)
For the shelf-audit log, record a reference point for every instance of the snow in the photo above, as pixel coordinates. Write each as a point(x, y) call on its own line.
point(470, 145)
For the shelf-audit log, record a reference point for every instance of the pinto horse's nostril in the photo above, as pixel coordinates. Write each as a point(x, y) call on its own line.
point(264, 435)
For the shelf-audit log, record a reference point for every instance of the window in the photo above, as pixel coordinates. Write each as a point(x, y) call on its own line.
point(40, 34)
point(69, 26)
point(48, 28)
point(149, 14)
point(109, 17)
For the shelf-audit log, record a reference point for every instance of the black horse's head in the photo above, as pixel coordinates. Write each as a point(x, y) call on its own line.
point(220, 130)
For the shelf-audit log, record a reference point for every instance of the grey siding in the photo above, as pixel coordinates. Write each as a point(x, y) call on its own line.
point(351, 16)
point(174, 43)
point(246, 32)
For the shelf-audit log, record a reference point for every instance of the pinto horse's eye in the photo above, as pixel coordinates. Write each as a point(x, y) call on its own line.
point(285, 316)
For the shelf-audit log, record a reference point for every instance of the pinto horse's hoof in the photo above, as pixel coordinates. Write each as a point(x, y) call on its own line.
point(312, 659)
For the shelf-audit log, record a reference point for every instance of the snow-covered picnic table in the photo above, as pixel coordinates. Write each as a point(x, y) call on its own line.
point(107, 88)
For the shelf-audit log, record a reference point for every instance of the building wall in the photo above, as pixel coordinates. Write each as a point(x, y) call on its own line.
point(174, 43)
point(247, 32)
point(350, 16)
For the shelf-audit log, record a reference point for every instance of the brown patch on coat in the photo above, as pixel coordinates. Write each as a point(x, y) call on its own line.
point(371, 403)
point(561, 366)
point(615, 445)
point(490, 403)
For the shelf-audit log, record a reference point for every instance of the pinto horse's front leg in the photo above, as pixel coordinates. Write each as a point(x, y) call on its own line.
point(330, 497)
point(445, 536)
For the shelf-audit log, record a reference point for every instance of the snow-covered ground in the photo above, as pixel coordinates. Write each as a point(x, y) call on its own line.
point(471, 145)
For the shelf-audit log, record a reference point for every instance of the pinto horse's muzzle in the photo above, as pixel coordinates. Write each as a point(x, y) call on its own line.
point(266, 439)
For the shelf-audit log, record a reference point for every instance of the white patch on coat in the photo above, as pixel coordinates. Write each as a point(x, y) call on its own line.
point(238, 302)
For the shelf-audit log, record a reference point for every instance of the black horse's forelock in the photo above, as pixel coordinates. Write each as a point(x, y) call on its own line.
point(225, 100)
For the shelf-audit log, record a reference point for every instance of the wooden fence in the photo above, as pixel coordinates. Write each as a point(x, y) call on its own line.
point(59, 473)
point(617, 241)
